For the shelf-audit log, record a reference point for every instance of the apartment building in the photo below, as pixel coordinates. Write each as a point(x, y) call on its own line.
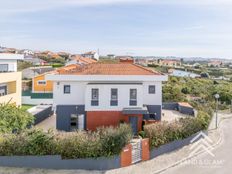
point(10, 79)
point(104, 94)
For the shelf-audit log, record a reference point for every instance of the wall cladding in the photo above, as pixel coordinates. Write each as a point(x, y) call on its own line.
point(63, 115)
point(182, 109)
point(55, 162)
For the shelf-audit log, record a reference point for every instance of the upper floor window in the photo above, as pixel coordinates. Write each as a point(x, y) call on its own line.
point(95, 97)
point(3, 67)
point(133, 97)
point(42, 82)
point(67, 89)
point(151, 89)
point(114, 97)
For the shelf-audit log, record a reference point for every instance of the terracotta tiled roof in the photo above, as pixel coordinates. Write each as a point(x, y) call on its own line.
point(112, 69)
point(84, 60)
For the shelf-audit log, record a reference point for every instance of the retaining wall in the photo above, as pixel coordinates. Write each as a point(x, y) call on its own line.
point(55, 162)
point(174, 145)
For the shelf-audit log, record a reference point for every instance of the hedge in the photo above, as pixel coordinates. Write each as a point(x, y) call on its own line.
point(103, 142)
point(165, 132)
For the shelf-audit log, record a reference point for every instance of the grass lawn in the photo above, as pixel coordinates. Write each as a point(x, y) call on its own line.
point(26, 107)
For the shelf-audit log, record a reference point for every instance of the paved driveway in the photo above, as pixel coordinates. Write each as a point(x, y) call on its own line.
point(221, 163)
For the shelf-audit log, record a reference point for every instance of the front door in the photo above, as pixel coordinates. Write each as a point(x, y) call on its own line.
point(134, 124)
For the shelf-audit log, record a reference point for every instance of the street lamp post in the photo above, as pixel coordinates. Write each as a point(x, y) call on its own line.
point(217, 97)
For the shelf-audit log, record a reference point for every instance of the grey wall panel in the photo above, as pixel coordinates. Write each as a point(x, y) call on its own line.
point(55, 162)
point(155, 109)
point(63, 115)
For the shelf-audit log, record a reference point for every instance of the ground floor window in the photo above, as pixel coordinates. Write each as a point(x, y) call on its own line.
point(77, 122)
point(3, 90)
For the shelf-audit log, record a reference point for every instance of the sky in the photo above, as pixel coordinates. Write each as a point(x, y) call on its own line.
point(185, 28)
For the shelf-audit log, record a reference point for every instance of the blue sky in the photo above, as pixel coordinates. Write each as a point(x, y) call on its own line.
point(136, 27)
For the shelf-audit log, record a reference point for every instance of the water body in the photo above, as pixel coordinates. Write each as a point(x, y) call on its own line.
point(180, 73)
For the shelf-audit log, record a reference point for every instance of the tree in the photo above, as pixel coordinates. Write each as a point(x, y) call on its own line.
point(13, 118)
point(23, 65)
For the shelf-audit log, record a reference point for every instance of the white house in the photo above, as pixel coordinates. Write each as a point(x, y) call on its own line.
point(101, 94)
point(91, 54)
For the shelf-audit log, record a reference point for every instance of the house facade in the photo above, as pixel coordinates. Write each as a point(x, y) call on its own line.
point(10, 79)
point(91, 55)
point(106, 94)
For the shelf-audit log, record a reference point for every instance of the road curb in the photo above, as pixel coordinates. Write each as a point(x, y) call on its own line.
point(217, 144)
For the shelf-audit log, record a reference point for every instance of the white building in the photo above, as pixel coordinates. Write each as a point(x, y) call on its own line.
point(106, 94)
point(10, 79)
point(91, 54)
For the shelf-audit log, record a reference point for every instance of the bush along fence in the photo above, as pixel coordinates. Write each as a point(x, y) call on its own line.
point(107, 148)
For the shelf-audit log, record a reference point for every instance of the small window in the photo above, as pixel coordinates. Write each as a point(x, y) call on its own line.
point(73, 122)
point(114, 97)
point(67, 89)
point(41, 82)
point(151, 89)
point(95, 97)
point(3, 67)
point(133, 97)
point(3, 90)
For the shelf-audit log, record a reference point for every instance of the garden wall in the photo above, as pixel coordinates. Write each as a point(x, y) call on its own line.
point(177, 107)
point(122, 160)
point(174, 145)
point(55, 162)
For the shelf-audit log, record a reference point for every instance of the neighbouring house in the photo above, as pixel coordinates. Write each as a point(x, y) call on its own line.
point(91, 54)
point(10, 79)
point(41, 91)
point(30, 73)
point(78, 59)
point(26, 52)
point(170, 63)
point(41, 85)
point(216, 64)
point(36, 61)
point(104, 94)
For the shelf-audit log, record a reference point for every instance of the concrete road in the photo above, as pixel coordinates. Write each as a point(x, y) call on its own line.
point(221, 163)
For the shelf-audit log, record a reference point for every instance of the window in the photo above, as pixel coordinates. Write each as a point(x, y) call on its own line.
point(3, 90)
point(3, 67)
point(95, 97)
point(41, 82)
point(67, 89)
point(114, 97)
point(77, 122)
point(151, 89)
point(73, 122)
point(133, 97)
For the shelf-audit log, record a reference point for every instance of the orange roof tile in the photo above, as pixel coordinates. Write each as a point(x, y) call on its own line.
point(84, 60)
point(111, 69)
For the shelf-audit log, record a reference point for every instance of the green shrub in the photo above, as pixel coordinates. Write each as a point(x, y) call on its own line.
point(12, 118)
point(103, 142)
point(28, 142)
point(164, 132)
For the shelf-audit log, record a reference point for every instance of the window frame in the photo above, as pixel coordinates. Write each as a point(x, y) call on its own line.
point(94, 100)
point(149, 89)
point(69, 92)
point(42, 81)
point(7, 65)
point(113, 101)
point(133, 100)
